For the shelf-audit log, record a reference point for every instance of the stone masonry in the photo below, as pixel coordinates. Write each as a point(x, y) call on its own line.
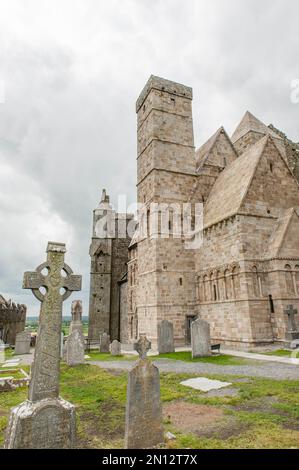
point(108, 254)
point(12, 320)
point(245, 273)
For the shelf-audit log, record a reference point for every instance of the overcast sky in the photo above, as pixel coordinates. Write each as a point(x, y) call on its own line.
point(72, 71)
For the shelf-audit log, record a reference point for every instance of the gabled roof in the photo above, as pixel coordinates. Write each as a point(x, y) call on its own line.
point(202, 154)
point(232, 185)
point(250, 123)
point(279, 233)
point(135, 238)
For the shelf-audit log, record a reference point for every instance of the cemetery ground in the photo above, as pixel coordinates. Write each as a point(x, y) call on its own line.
point(253, 412)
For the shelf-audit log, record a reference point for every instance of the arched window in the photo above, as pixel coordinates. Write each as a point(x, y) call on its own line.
point(236, 282)
point(198, 289)
point(289, 280)
point(148, 223)
point(218, 276)
point(255, 281)
point(206, 288)
point(211, 289)
point(227, 290)
point(297, 278)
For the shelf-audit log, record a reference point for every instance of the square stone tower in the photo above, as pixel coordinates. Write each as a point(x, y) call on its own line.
point(109, 256)
point(166, 174)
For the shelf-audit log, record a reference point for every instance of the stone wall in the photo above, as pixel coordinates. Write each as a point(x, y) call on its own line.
point(12, 320)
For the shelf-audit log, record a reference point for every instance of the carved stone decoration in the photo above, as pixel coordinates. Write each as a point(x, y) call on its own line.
point(45, 420)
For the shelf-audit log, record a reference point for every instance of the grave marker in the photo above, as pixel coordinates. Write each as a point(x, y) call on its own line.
point(46, 421)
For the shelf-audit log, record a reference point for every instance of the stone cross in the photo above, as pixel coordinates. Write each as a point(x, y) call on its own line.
point(291, 312)
point(142, 346)
point(59, 282)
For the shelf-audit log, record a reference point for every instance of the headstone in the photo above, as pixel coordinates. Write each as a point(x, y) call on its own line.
point(165, 337)
point(46, 421)
point(75, 348)
point(115, 348)
point(292, 332)
point(23, 341)
point(200, 338)
point(105, 343)
point(144, 429)
point(76, 323)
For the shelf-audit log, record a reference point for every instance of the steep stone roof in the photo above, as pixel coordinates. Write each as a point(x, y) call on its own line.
point(203, 153)
point(250, 123)
point(206, 148)
point(232, 185)
point(135, 239)
point(279, 233)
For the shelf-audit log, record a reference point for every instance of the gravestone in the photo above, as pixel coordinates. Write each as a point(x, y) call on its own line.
point(165, 337)
point(292, 332)
point(76, 323)
point(46, 421)
point(144, 429)
point(115, 348)
point(200, 338)
point(75, 348)
point(22, 345)
point(105, 343)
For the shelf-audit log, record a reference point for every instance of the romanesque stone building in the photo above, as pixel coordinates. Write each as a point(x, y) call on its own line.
point(12, 320)
point(109, 254)
point(246, 270)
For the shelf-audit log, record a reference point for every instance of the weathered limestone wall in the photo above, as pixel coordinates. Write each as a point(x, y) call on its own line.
point(12, 320)
point(165, 173)
point(109, 255)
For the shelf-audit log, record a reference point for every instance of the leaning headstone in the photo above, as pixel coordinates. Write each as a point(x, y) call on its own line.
point(46, 421)
point(76, 323)
point(105, 343)
point(200, 338)
point(165, 337)
point(23, 341)
point(75, 349)
point(115, 348)
point(144, 429)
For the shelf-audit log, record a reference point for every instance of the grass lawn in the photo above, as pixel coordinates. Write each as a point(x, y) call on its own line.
point(263, 414)
point(184, 356)
point(282, 353)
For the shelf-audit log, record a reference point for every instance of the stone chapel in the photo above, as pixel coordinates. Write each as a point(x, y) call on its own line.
point(246, 270)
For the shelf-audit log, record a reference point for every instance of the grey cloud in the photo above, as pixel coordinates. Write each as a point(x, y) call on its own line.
point(73, 71)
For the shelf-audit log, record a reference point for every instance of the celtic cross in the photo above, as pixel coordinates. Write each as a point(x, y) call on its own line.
point(58, 282)
point(142, 346)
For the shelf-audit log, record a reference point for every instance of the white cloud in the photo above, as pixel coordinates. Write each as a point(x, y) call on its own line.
point(72, 72)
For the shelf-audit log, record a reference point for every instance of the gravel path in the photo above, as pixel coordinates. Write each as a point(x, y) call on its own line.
point(271, 370)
